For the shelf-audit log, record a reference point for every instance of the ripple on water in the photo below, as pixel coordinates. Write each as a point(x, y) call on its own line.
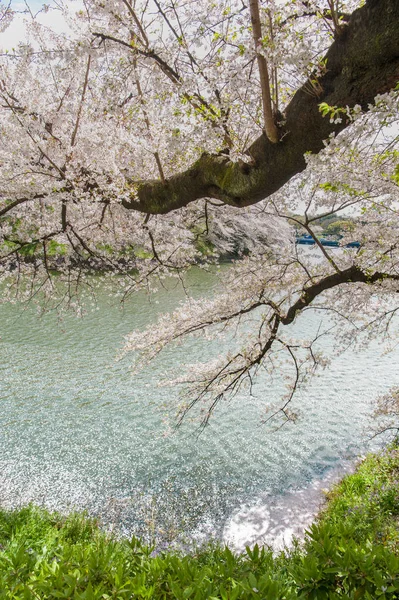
point(80, 431)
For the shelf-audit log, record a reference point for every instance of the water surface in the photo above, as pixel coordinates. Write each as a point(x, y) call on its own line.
point(79, 430)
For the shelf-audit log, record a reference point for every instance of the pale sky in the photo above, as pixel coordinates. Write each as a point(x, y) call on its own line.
point(16, 32)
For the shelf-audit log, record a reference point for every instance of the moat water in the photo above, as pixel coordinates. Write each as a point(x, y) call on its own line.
point(79, 431)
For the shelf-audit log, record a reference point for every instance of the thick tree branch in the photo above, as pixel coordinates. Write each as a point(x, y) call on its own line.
point(325, 14)
point(268, 119)
point(351, 275)
point(144, 39)
point(168, 70)
point(4, 210)
point(229, 377)
point(361, 63)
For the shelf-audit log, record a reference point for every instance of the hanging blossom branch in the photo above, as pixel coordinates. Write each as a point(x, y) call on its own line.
point(386, 414)
point(181, 39)
point(223, 378)
point(196, 100)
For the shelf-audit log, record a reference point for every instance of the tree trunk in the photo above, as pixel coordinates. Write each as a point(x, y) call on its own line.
point(269, 124)
point(361, 63)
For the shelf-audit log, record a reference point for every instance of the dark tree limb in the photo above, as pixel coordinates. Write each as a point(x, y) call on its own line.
point(269, 124)
point(352, 274)
point(326, 14)
point(5, 209)
point(231, 374)
point(361, 63)
point(167, 69)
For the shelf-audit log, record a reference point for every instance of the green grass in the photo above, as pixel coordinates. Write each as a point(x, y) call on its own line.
point(351, 551)
point(368, 500)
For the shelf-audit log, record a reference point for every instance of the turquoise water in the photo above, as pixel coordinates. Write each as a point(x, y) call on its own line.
point(79, 430)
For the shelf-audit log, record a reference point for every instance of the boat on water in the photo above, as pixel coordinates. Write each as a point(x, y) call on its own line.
point(308, 240)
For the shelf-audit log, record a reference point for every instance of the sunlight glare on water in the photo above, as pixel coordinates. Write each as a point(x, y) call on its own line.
point(79, 430)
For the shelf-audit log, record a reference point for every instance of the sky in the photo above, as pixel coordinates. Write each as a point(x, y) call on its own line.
point(16, 32)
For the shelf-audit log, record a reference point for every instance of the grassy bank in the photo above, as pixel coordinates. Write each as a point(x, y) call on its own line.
point(350, 552)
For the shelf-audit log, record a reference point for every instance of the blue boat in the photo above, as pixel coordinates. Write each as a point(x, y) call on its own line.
point(307, 240)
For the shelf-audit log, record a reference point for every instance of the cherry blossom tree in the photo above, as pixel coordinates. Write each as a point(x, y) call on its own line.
point(149, 136)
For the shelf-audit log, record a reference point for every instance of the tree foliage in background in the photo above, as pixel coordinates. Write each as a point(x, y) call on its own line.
point(150, 136)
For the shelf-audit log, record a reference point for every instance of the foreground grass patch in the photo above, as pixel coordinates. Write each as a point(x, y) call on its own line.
point(350, 552)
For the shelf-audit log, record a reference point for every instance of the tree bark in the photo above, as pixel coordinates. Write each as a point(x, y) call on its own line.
point(361, 63)
point(269, 124)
